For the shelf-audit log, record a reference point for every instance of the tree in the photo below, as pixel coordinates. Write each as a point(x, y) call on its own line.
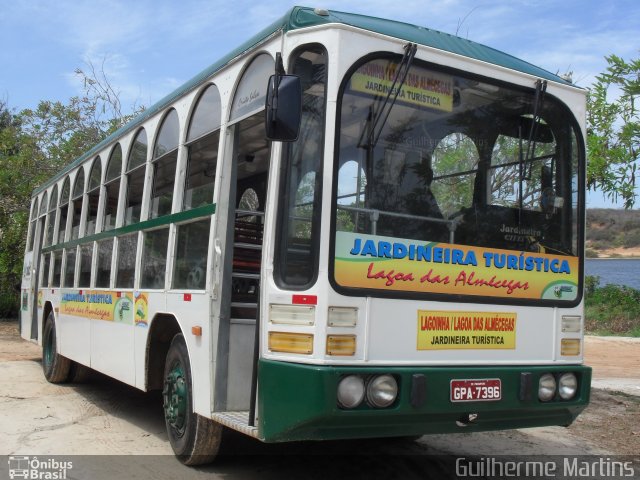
point(613, 130)
point(37, 143)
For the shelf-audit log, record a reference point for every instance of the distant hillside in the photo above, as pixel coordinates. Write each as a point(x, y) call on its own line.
point(612, 233)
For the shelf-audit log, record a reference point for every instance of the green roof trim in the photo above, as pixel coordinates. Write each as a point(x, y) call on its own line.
point(304, 17)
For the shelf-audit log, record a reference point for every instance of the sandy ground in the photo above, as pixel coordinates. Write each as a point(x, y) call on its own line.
point(125, 428)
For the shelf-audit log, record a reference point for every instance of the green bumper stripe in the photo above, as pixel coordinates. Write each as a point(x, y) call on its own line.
point(298, 402)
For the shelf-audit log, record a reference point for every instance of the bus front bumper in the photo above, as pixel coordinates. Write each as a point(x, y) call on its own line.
point(299, 402)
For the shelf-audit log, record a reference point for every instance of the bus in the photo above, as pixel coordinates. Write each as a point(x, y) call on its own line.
point(314, 242)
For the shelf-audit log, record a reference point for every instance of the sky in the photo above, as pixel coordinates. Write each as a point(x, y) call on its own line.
point(147, 48)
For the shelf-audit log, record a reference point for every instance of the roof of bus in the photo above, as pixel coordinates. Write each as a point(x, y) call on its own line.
point(304, 17)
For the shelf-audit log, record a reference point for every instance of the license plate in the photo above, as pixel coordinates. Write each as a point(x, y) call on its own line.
point(477, 390)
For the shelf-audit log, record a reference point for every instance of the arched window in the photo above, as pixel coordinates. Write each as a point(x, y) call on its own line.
point(455, 164)
point(76, 204)
point(112, 188)
point(51, 216)
point(135, 178)
point(32, 225)
point(202, 143)
point(63, 210)
point(252, 90)
point(93, 196)
point(165, 158)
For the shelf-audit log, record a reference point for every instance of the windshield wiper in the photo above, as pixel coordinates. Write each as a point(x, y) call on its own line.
point(538, 100)
point(378, 119)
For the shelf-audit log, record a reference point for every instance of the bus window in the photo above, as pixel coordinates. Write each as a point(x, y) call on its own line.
point(76, 204)
point(127, 251)
point(352, 182)
point(455, 164)
point(154, 258)
point(299, 221)
point(86, 256)
point(57, 268)
point(44, 279)
point(165, 157)
point(112, 188)
point(103, 274)
point(70, 267)
point(51, 217)
point(202, 145)
point(93, 197)
point(191, 255)
point(135, 178)
point(505, 173)
point(32, 225)
point(63, 211)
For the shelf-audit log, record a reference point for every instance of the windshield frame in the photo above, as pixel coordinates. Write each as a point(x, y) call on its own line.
point(575, 136)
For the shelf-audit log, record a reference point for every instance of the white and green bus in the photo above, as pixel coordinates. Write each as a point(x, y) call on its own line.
point(347, 227)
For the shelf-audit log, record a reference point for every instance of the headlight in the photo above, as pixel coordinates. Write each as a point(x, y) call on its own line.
point(382, 391)
point(350, 391)
point(567, 386)
point(546, 387)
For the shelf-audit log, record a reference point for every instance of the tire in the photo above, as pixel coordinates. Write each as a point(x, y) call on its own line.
point(55, 366)
point(195, 439)
point(78, 373)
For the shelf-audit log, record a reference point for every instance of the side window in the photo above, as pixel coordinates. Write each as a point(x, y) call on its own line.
point(63, 210)
point(191, 255)
point(93, 197)
point(127, 251)
point(103, 274)
point(300, 199)
point(202, 145)
point(70, 267)
point(76, 204)
point(86, 256)
point(135, 178)
point(51, 217)
point(112, 188)
point(57, 268)
point(537, 185)
point(455, 165)
point(165, 157)
point(154, 258)
point(33, 217)
point(44, 279)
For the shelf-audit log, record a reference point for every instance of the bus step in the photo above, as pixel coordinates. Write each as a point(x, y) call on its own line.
point(248, 276)
point(248, 246)
point(236, 421)
point(244, 305)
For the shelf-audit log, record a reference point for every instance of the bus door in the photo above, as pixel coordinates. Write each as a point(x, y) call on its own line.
point(240, 233)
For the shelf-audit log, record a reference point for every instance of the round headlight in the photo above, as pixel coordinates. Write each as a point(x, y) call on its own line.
point(350, 391)
point(382, 391)
point(567, 386)
point(546, 387)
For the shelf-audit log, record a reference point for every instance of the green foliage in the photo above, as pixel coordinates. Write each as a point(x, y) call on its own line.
point(613, 130)
point(612, 309)
point(34, 145)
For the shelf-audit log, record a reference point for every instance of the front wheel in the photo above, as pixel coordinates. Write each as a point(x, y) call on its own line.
point(195, 439)
point(55, 366)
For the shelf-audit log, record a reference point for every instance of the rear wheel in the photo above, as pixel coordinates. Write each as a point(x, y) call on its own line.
point(195, 439)
point(55, 366)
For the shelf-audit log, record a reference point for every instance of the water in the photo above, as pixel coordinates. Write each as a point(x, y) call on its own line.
point(616, 271)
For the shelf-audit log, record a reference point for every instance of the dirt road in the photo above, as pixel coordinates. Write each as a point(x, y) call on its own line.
point(123, 429)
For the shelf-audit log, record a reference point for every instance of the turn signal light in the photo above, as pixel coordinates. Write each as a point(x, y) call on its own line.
point(341, 345)
point(291, 342)
point(570, 347)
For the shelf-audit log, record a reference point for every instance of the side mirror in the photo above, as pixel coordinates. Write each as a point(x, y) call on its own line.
point(283, 108)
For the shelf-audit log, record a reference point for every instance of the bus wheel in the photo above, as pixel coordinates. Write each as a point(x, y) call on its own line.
point(55, 366)
point(195, 439)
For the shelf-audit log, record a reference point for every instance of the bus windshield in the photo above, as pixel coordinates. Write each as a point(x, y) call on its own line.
point(465, 177)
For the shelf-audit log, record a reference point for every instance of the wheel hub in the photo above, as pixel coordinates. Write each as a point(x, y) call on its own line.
point(175, 399)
